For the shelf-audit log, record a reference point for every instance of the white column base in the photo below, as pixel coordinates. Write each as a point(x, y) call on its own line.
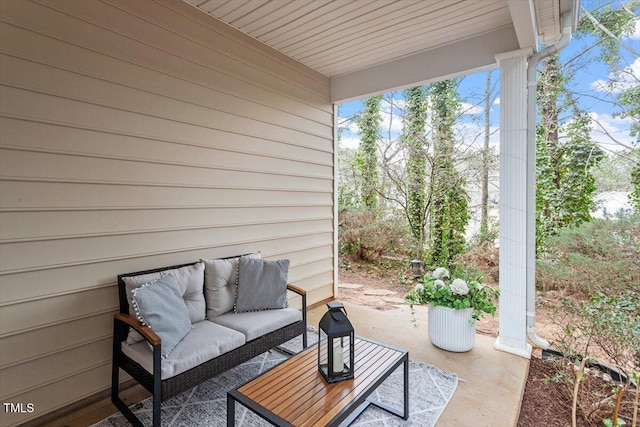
point(526, 353)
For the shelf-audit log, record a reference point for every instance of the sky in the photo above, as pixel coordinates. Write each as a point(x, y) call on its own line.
point(588, 82)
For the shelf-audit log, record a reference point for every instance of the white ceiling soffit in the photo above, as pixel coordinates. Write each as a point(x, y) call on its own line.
point(371, 46)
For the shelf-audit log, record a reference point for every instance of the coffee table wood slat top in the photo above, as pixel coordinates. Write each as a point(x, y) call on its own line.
point(296, 392)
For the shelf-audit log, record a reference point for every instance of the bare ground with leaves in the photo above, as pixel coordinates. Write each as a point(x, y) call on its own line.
point(545, 402)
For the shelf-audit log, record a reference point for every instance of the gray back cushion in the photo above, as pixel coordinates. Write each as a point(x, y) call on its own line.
point(221, 284)
point(262, 285)
point(191, 282)
point(160, 306)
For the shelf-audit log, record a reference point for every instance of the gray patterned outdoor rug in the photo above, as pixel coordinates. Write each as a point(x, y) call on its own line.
point(430, 389)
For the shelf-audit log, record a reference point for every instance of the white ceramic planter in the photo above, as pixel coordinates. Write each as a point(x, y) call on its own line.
point(451, 329)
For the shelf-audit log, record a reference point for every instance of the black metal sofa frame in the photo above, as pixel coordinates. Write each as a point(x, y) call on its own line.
point(162, 390)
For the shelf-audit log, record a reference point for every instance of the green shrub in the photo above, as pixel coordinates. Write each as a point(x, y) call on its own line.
point(601, 253)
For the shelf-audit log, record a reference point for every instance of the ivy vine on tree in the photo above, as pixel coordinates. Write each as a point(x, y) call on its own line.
point(417, 150)
point(565, 183)
point(366, 157)
point(634, 197)
point(449, 207)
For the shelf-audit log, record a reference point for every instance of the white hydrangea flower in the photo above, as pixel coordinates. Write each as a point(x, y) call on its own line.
point(419, 287)
point(459, 287)
point(439, 283)
point(440, 273)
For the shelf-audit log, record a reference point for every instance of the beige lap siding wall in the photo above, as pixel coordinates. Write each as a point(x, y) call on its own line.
point(134, 135)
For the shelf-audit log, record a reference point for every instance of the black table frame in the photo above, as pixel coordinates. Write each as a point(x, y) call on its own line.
point(345, 417)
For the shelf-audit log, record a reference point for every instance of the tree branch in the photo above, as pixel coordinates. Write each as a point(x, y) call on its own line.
point(607, 32)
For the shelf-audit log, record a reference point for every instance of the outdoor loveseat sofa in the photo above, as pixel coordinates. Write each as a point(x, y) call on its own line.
point(232, 310)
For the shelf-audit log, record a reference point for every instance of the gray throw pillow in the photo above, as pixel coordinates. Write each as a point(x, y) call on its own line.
point(160, 306)
point(221, 284)
point(190, 278)
point(262, 285)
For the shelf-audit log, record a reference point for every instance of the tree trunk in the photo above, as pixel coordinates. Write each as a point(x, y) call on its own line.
point(484, 191)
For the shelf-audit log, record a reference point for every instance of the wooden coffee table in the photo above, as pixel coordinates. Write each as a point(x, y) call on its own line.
point(295, 394)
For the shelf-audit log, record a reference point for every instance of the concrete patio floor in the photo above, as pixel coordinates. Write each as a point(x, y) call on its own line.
point(491, 382)
point(488, 394)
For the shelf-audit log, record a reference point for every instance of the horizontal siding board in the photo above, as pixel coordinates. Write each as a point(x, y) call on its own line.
point(52, 396)
point(65, 168)
point(73, 224)
point(22, 195)
point(131, 43)
point(315, 280)
point(36, 284)
point(321, 293)
point(235, 44)
point(20, 317)
point(135, 136)
point(316, 267)
point(20, 378)
point(54, 338)
point(218, 149)
point(301, 256)
point(168, 80)
point(63, 252)
point(25, 103)
point(173, 99)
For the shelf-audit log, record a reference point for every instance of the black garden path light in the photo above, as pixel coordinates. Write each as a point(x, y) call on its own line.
point(336, 344)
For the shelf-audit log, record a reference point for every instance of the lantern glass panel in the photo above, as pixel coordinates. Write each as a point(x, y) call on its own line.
point(336, 345)
point(323, 349)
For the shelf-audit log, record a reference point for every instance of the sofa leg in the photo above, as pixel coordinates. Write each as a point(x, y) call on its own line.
point(157, 385)
point(304, 321)
point(115, 380)
point(156, 411)
point(128, 414)
point(115, 366)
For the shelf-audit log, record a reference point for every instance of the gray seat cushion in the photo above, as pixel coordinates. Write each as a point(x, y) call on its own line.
point(257, 323)
point(206, 341)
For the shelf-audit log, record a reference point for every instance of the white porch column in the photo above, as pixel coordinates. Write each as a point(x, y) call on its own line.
point(514, 186)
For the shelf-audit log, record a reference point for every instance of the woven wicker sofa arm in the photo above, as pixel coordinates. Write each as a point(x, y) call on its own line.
point(298, 290)
point(144, 330)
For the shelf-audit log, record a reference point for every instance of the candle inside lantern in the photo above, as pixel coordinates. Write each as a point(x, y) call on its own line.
point(338, 359)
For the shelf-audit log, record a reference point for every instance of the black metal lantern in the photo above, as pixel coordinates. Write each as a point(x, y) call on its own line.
point(416, 268)
point(335, 344)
